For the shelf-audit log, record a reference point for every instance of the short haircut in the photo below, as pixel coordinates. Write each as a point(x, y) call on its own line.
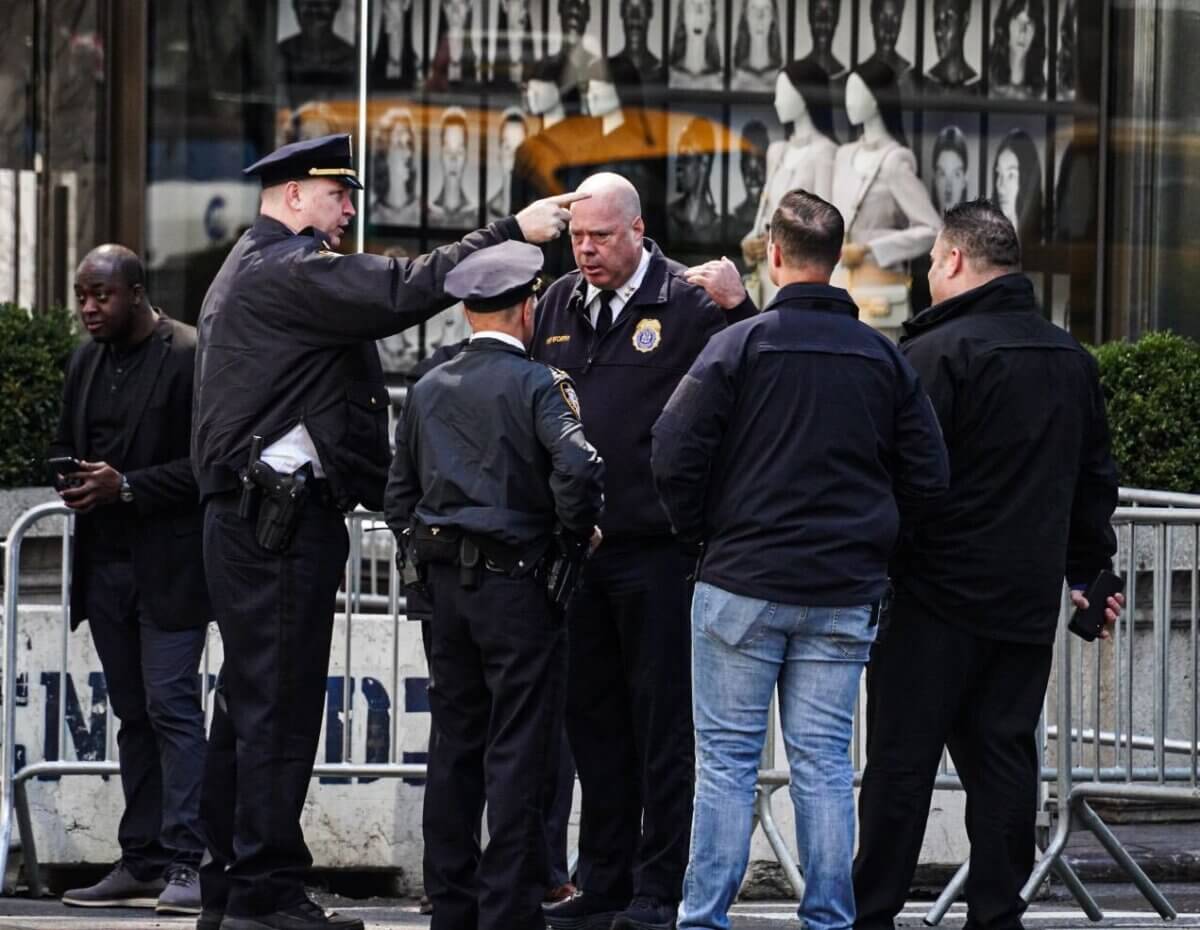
point(983, 234)
point(113, 259)
point(809, 230)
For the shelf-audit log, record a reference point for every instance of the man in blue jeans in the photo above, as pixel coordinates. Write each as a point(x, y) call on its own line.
point(790, 452)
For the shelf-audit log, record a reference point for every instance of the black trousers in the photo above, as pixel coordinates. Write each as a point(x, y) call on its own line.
point(275, 612)
point(154, 686)
point(496, 679)
point(629, 718)
point(931, 685)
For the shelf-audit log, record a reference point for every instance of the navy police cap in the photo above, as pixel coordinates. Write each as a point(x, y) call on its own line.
point(496, 278)
point(323, 157)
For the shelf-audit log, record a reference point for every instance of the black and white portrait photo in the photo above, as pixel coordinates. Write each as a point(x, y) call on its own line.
point(1017, 57)
point(573, 46)
point(823, 35)
point(758, 34)
point(951, 158)
point(954, 35)
point(888, 34)
point(396, 28)
point(635, 30)
point(1018, 147)
point(694, 211)
point(453, 172)
point(748, 169)
point(316, 51)
point(1068, 60)
point(394, 194)
point(454, 58)
point(695, 55)
point(514, 43)
point(506, 136)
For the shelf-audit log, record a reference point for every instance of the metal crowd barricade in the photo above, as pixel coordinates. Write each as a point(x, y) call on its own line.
point(1085, 756)
point(370, 592)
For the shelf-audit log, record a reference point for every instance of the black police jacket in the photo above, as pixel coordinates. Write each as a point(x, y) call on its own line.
point(1033, 483)
point(793, 446)
point(286, 336)
point(492, 444)
point(625, 379)
point(163, 521)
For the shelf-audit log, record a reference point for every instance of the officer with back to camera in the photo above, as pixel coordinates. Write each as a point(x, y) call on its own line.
point(490, 458)
point(286, 353)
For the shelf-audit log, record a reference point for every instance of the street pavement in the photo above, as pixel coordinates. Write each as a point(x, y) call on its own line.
point(1122, 906)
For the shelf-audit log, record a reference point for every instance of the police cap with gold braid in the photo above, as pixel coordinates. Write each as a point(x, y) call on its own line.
point(497, 277)
point(323, 157)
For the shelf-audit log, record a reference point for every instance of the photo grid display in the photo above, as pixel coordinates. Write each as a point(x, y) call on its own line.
point(477, 106)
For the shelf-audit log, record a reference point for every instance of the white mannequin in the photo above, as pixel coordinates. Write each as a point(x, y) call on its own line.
point(889, 216)
point(542, 99)
point(604, 104)
point(804, 161)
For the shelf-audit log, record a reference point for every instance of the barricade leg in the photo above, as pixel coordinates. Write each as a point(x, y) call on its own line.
point(949, 895)
point(762, 808)
point(1114, 848)
point(29, 859)
point(1068, 877)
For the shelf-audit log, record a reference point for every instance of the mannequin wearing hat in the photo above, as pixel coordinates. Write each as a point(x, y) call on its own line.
point(803, 161)
point(889, 216)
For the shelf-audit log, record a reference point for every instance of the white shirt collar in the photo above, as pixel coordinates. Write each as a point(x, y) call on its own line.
point(622, 295)
point(502, 337)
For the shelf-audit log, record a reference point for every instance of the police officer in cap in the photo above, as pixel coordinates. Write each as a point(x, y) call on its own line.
point(286, 353)
point(491, 457)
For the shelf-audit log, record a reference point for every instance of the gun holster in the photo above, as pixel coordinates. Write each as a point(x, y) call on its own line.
point(280, 503)
point(562, 566)
point(413, 569)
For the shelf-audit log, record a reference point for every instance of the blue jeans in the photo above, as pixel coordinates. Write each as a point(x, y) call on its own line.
point(742, 647)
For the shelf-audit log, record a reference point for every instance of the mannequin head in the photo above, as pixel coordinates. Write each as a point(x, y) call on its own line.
point(950, 162)
point(636, 15)
point(1019, 41)
point(454, 145)
point(574, 16)
point(396, 140)
point(803, 87)
point(512, 134)
point(758, 23)
point(873, 91)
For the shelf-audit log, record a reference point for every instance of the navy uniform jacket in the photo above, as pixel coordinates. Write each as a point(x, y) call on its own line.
point(1034, 483)
point(163, 522)
point(286, 335)
point(793, 447)
point(491, 443)
point(625, 379)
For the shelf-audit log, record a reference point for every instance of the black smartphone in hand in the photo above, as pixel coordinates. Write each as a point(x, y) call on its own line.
point(60, 467)
point(1087, 624)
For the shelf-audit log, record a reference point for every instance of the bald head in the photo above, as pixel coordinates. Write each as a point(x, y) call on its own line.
point(110, 260)
point(615, 191)
point(110, 291)
point(607, 230)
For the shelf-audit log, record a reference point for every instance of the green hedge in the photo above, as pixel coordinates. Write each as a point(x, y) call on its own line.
point(1152, 389)
point(33, 356)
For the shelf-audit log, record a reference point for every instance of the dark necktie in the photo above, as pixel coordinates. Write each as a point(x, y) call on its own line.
point(604, 317)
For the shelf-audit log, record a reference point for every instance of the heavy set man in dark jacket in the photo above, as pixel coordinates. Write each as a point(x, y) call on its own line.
point(978, 581)
point(137, 572)
point(626, 327)
point(490, 458)
point(285, 353)
point(792, 449)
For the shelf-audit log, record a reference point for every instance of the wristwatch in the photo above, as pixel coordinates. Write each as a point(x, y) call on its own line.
point(126, 491)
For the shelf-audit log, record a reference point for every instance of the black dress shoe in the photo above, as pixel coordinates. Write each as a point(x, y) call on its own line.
point(646, 913)
point(209, 919)
point(582, 911)
point(304, 916)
